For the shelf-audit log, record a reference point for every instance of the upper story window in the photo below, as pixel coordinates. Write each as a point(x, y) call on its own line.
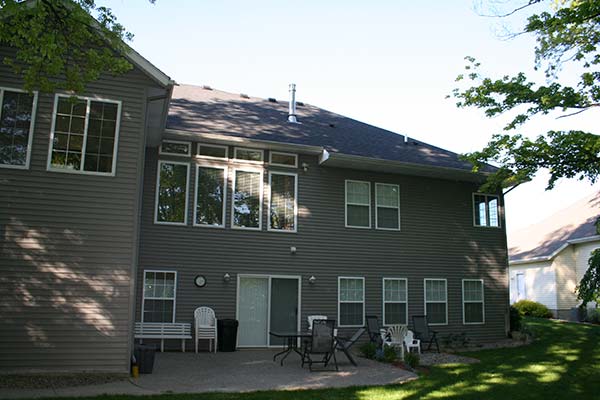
point(485, 207)
point(473, 308)
point(175, 148)
point(436, 301)
point(211, 192)
point(279, 159)
point(158, 299)
point(358, 204)
point(247, 199)
point(283, 208)
point(395, 301)
point(17, 116)
point(84, 136)
point(351, 301)
point(387, 206)
point(211, 151)
point(251, 155)
point(171, 193)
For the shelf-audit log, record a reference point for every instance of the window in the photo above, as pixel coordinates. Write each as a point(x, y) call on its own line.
point(175, 148)
point(211, 151)
point(486, 210)
point(387, 210)
point(251, 155)
point(436, 301)
point(247, 199)
point(171, 193)
point(395, 301)
point(17, 117)
point(358, 204)
point(283, 159)
point(158, 304)
point(351, 301)
point(85, 133)
point(473, 308)
point(211, 189)
point(283, 209)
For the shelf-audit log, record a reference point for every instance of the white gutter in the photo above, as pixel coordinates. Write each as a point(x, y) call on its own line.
point(556, 252)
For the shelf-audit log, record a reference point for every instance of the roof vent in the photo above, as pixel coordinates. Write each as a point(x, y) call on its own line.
point(272, 100)
point(206, 87)
point(331, 125)
point(292, 109)
point(299, 103)
point(244, 96)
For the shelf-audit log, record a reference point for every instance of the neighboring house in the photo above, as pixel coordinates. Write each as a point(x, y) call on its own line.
point(111, 210)
point(548, 259)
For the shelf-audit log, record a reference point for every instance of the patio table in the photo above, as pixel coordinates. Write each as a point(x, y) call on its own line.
point(291, 342)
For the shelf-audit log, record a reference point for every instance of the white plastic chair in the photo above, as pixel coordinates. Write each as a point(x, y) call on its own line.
point(311, 318)
point(395, 338)
point(205, 324)
point(411, 343)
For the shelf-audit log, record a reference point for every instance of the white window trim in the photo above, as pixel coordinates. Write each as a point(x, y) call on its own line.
point(159, 298)
point(377, 207)
point(166, 153)
point(437, 301)
point(187, 192)
point(269, 228)
point(225, 179)
point(339, 321)
point(486, 211)
point(355, 204)
point(261, 190)
point(88, 99)
point(283, 154)
point(262, 157)
point(218, 146)
point(394, 302)
point(482, 302)
point(31, 125)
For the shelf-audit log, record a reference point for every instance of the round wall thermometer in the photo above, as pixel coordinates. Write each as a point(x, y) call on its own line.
point(200, 281)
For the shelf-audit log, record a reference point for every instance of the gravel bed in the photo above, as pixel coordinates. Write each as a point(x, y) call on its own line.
point(55, 381)
point(445, 358)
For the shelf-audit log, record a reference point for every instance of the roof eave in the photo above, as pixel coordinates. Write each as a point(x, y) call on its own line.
point(550, 257)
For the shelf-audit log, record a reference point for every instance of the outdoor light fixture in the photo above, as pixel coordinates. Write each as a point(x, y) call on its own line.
point(226, 277)
point(305, 166)
point(312, 280)
point(293, 249)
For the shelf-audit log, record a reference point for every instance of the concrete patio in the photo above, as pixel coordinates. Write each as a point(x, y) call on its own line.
point(240, 371)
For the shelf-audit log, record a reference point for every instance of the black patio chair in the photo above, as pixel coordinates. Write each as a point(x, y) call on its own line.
point(423, 333)
point(322, 343)
point(374, 330)
point(344, 344)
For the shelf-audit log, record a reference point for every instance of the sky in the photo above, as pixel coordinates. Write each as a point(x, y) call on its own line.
point(387, 63)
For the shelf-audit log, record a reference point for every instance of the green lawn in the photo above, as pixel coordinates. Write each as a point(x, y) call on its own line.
point(562, 363)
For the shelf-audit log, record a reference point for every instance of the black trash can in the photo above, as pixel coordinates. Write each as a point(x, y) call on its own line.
point(144, 355)
point(227, 334)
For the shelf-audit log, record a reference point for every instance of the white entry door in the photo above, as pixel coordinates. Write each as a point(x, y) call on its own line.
point(521, 291)
point(253, 311)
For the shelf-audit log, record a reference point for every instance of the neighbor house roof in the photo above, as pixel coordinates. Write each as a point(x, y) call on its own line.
point(544, 240)
point(205, 110)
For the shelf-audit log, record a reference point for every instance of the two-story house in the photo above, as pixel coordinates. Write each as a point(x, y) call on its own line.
point(115, 210)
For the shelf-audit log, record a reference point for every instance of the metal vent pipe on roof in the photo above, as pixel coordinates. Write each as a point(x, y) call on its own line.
point(292, 105)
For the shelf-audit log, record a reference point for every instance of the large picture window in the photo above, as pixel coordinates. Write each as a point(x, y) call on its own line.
point(358, 204)
point(387, 210)
point(486, 210)
point(436, 301)
point(211, 184)
point(17, 116)
point(473, 306)
point(85, 134)
point(247, 199)
point(351, 301)
point(158, 304)
point(283, 204)
point(171, 193)
point(395, 301)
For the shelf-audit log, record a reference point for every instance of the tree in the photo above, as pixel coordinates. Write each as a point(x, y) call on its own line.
point(62, 44)
point(568, 34)
point(589, 287)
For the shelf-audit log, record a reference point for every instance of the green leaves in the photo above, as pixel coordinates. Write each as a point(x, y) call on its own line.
point(589, 288)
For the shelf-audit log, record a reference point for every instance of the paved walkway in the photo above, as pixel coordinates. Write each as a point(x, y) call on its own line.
point(240, 371)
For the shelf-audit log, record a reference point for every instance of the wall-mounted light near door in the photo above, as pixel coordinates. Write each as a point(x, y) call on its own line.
point(312, 280)
point(226, 277)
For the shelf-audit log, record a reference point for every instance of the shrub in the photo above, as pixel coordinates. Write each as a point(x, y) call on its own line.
point(369, 350)
point(593, 316)
point(389, 354)
point(532, 309)
point(411, 359)
point(515, 319)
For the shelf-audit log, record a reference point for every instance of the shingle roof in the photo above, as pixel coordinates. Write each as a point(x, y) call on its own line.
point(546, 237)
point(197, 109)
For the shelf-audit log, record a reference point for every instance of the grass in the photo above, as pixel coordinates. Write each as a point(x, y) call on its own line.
point(562, 363)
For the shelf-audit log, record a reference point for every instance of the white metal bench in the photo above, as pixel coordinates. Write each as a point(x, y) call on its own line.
point(162, 331)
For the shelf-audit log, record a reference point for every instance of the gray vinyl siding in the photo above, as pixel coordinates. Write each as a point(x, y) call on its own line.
point(437, 240)
point(68, 247)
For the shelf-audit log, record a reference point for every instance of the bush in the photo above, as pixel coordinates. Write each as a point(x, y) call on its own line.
point(593, 315)
point(411, 359)
point(515, 319)
point(532, 309)
point(369, 350)
point(389, 354)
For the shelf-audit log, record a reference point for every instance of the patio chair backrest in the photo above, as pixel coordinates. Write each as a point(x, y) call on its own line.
point(311, 318)
point(373, 324)
point(322, 336)
point(204, 316)
point(397, 333)
point(421, 327)
point(409, 338)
